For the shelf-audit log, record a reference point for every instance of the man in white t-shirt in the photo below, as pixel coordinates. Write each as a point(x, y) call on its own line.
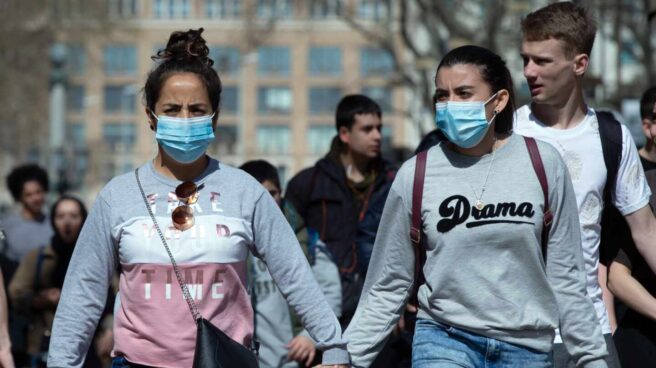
point(556, 44)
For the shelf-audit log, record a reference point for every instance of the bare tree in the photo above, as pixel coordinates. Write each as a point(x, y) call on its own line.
point(631, 30)
point(417, 33)
point(28, 28)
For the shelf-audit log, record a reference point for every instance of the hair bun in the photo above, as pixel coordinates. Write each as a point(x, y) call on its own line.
point(186, 46)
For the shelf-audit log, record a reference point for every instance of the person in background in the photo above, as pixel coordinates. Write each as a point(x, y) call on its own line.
point(333, 197)
point(29, 228)
point(25, 230)
point(36, 286)
point(279, 345)
point(557, 42)
point(629, 277)
point(648, 151)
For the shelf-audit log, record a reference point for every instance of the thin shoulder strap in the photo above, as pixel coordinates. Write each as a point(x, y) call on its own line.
point(416, 226)
point(183, 285)
point(536, 160)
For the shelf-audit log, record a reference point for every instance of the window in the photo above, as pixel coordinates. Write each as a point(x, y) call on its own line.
point(170, 9)
point(321, 9)
point(119, 137)
point(274, 100)
point(325, 61)
point(382, 95)
point(76, 134)
point(374, 62)
point(226, 59)
point(75, 98)
point(77, 59)
point(120, 60)
point(323, 100)
point(374, 9)
point(222, 9)
point(319, 138)
point(227, 140)
point(120, 99)
point(230, 100)
point(275, 8)
point(273, 139)
point(273, 60)
point(122, 8)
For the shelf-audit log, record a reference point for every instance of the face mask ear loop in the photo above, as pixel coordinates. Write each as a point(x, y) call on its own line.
point(154, 127)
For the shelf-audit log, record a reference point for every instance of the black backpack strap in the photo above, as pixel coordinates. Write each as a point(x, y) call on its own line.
point(610, 132)
point(538, 166)
point(614, 229)
point(416, 229)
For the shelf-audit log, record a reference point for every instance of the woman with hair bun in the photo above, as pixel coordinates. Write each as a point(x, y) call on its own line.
point(183, 221)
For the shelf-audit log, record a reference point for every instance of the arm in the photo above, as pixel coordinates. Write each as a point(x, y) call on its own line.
point(388, 282)
point(643, 231)
point(327, 275)
point(607, 296)
point(85, 290)
point(21, 286)
point(628, 289)
point(6, 360)
point(631, 198)
point(277, 245)
point(579, 326)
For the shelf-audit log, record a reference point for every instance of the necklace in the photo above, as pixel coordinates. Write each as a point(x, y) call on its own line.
point(479, 198)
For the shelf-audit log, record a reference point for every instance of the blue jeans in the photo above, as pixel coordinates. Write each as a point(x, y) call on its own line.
point(437, 345)
point(121, 362)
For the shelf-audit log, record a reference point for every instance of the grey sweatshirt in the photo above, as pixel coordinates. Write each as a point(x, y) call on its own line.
point(274, 325)
point(484, 269)
point(153, 325)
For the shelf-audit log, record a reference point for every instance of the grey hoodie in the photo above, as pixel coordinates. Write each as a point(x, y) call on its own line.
point(484, 269)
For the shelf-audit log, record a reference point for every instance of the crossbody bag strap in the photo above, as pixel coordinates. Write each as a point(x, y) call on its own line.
point(416, 228)
point(536, 160)
point(185, 291)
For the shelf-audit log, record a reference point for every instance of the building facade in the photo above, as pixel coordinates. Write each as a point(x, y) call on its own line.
point(284, 66)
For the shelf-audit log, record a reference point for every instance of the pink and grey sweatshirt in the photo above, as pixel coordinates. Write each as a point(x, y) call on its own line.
point(153, 325)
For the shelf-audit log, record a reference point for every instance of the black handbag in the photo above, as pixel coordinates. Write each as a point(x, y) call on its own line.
point(214, 349)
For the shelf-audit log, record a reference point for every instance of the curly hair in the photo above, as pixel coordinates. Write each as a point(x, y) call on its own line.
point(22, 174)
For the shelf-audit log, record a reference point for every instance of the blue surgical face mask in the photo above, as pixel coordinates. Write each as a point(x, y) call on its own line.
point(184, 139)
point(463, 122)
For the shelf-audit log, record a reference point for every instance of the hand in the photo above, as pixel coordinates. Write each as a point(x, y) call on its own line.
point(6, 360)
point(105, 343)
point(51, 296)
point(332, 366)
point(400, 326)
point(302, 350)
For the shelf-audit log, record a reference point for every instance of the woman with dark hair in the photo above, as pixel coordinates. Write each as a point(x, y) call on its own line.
point(490, 295)
point(180, 228)
point(36, 286)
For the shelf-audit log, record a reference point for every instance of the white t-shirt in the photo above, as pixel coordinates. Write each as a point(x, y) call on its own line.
point(581, 150)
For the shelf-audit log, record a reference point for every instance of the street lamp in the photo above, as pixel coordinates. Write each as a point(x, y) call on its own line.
point(58, 78)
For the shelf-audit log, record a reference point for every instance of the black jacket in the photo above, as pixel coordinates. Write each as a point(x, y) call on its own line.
point(321, 196)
